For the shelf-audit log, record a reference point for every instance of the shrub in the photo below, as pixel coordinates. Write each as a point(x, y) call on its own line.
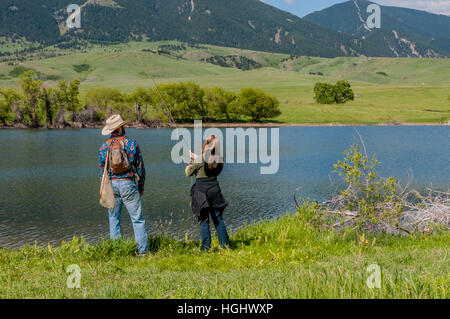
point(258, 105)
point(340, 93)
point(81, 67)
point(18, 70)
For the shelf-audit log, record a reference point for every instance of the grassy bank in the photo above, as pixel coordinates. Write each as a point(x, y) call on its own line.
point(282, 258)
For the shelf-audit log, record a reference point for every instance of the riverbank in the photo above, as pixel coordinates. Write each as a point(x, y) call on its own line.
point(281, 258)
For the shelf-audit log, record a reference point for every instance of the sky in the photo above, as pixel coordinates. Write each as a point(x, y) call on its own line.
point(303, 7)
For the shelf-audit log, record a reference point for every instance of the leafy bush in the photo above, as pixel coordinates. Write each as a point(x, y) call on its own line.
point(18, 70)
point(81, 67)
point(366, 192)
point(340, 93)
point(258, 105)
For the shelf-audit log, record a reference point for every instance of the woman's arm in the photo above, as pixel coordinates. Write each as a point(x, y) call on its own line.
point(192, 168)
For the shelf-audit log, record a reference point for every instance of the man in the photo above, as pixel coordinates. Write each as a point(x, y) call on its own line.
point(125, 166)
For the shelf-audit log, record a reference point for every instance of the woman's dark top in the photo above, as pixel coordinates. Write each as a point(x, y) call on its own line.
point(205, 193)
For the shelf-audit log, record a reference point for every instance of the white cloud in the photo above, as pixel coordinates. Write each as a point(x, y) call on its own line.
point(434, 6)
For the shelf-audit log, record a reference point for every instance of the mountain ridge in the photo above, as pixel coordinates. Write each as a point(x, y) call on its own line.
point(245, 24)
point(407, 32)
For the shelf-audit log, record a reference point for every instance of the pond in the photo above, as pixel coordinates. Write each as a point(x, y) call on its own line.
point(49, 178)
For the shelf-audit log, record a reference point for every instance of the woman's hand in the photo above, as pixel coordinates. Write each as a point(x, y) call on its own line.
point(193, 156)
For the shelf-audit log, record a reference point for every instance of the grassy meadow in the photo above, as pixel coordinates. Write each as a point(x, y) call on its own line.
point(280, 258)
point(387, 90)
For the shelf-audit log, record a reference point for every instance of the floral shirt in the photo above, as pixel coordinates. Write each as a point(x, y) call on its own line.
point(134, 156)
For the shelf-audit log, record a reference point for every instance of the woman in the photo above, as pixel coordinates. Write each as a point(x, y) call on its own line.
point(207, 199)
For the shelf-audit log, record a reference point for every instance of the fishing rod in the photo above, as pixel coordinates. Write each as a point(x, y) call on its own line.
point(169, 115)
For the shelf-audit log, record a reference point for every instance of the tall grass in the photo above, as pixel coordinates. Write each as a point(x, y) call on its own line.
point(278, 258)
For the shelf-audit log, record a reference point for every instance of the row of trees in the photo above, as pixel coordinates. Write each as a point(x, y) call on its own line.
point(185, 101)
point(36, 104)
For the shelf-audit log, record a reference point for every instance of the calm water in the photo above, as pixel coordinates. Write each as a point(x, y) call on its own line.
point(49, 178)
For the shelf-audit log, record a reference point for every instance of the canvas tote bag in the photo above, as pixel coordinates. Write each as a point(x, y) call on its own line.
point(107, 198)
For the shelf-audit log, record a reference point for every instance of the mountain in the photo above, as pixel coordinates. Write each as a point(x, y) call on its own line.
point(246, 24)
point(404, 32)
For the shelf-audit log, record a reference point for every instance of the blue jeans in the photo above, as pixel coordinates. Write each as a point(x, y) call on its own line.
point(126, 192)
point(219, 224)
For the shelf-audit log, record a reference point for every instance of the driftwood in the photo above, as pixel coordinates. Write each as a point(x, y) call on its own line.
point(418, 213)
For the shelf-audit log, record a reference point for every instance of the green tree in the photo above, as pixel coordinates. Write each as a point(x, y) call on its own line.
point(49, 98)
point(102, 99)
point(324, 93)
point(340, 93)
point(141, 100)
point(234, 110)
point(183, 100)
point(9, 106)
point(121, 103)
point(73, 102)
point(258, 105)
point(62, 101)
point(67, 98)
point(216, 103)
point(31, 88)
point(343, 92)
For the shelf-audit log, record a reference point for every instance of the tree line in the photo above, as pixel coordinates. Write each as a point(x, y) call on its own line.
point(37, 104)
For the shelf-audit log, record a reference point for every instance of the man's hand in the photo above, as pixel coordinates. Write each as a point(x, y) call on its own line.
point(141, 193)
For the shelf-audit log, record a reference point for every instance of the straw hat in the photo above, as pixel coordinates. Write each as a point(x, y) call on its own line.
point(113, 123)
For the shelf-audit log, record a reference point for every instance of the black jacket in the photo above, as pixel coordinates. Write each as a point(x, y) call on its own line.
point(206, 194)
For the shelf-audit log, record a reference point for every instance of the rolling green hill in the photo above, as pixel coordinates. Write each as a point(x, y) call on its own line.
point(386, 89)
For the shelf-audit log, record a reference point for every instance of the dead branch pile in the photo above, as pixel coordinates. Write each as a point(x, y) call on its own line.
point(416, 213)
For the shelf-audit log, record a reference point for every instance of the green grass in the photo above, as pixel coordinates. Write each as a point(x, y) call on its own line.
point(386, 89)
point(281, 258)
